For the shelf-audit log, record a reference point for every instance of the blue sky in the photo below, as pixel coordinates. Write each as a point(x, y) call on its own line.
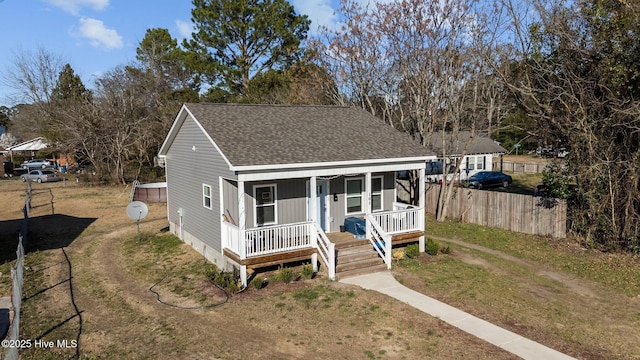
point(95, 36)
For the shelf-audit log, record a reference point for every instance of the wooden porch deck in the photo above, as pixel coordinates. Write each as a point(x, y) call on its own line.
point(340, 239)
point(345, 239)
point(271, 259)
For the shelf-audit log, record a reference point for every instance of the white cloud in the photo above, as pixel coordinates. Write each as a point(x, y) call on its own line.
point(184, 28)
point(320, 12)
point(74, 6)
point(99, 35)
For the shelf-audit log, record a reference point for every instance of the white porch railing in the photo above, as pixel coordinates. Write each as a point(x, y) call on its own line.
point(230, 237)
point(402, 206)
point(380, 239)
point(327, 251)
point(281, 238)
point(277, 238)
point(399, 221)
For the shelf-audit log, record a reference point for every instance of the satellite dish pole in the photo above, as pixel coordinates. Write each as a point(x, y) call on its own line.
point(137, 210)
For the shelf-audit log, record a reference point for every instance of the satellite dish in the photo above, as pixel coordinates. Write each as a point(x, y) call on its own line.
point(137, 210)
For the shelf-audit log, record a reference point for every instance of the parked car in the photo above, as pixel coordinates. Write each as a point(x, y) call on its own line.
point(434, 172)
point(562, 153)
point(546, 152)
point(487, 179)
point(40, 176)
point(36, 164)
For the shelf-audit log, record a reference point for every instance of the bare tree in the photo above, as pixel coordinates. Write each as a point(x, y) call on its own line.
point(421, 66)
point(354, 57)
point(32, 75)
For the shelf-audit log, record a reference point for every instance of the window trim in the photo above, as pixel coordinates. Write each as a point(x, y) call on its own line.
point(483, 161)
point(205, 197)
point(346, 195)
point(275, 204)
point(381, 177)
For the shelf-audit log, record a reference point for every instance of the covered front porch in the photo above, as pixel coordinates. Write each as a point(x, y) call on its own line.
point(275, 244)
point(287, 215)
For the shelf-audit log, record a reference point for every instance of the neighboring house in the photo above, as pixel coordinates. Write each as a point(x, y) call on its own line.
point(479, 154)
point(238, 180)
point(28, 149)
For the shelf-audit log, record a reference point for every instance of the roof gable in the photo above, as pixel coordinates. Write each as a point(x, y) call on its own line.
point(480, 143)
point(36, 144)
point(256, 135)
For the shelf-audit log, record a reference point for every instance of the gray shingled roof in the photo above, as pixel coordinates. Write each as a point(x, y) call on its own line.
point(250, 135)
point(480, 144)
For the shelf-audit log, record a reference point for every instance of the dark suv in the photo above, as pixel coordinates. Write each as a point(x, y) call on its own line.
point(487, 179)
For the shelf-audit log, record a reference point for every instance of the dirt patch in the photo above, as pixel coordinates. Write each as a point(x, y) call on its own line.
point(580, 287)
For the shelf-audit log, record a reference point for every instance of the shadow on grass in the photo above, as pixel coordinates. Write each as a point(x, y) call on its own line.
point(45, 232)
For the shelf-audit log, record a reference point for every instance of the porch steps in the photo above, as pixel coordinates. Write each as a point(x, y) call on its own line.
point(357, 257)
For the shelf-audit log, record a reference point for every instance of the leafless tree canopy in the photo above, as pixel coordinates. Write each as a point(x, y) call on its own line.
point(568, 70)
point(422, 66)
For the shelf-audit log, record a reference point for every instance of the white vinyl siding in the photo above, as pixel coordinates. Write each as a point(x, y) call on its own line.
point(185, 191)
point(206, 196)
point(265, 208)
point(354, 190)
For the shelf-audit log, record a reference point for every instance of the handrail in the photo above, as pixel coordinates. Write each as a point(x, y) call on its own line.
point(327, 251)
point(277, 238)
point(402, 206)
point(134, 185)
point(378, 236)
point(231, 237)
point(398, 221)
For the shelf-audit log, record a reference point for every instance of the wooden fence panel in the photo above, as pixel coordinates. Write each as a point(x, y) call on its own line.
point(515, 212)
point(520, 167)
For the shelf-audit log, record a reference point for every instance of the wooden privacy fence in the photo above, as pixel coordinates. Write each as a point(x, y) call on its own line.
point(520, 167)
point(521, 213)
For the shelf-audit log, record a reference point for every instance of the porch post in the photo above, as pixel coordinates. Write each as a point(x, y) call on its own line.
point(313, 216)
point(367, 201)
point(313, 199)
point(242, 220)
point(421, 205)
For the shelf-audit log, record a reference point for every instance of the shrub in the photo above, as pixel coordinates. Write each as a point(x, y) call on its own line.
point(286, 275)
point(397, 254)
point(227, 281)
point(432, 247)
point(307, 271)
point(445, 250)
point(412, 251)
point(257, 282)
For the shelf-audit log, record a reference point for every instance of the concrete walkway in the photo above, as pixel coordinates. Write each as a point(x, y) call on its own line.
point(385, 283)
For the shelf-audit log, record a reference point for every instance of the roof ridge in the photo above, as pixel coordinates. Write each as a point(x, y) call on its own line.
point(275, 105)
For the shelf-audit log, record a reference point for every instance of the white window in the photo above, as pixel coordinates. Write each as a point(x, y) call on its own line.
point(265, 208)
point(206, 196)
point(376, 193)
point(475, 163)
point(480, 163)
point(354, 191)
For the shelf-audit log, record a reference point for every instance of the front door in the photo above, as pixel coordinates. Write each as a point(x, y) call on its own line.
point(322, 192)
